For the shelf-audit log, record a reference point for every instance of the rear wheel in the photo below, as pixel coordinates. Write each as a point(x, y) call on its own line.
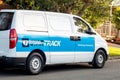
point(99, 59)
point(34, 63)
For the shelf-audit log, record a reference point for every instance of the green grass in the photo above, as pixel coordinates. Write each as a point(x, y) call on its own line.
point(113, 51)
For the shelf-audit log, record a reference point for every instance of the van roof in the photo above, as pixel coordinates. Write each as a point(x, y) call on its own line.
point(14, 10)
point(7, 10)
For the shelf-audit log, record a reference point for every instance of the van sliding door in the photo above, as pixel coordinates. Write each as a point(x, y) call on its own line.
point(61, 47)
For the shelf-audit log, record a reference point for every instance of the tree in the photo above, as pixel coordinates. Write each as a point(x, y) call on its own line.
point(116, 19)
point(65, 6)
point(94, 11)
point(23, 4)
point(98, 12)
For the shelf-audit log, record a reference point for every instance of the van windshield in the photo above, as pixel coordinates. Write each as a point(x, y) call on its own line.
point(5, 20)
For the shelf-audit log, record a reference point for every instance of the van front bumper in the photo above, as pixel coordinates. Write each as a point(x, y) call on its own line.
point(9, 61)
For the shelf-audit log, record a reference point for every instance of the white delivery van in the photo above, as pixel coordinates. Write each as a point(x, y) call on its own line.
point(34, 39)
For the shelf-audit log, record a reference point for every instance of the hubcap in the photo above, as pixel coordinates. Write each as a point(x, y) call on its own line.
point(100, 58)
point(35, 63)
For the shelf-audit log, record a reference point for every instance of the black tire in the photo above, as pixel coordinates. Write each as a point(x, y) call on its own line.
point(99, 59)
point(34, 63)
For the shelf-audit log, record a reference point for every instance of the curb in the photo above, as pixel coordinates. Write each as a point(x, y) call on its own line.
point(113, 58)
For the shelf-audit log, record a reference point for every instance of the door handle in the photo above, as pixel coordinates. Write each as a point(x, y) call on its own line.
point(75, 38)
point(78, 38)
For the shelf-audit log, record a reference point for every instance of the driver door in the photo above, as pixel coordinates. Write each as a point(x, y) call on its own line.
point(84, 41)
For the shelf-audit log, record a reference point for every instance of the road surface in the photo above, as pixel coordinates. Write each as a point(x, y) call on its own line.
point(111, 71)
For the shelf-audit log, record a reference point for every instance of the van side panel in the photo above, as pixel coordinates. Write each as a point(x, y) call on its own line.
point(32, 32)
point(53, 33)
point(60, 28)
point(28, 43)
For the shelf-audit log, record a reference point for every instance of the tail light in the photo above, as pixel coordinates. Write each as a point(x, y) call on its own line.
point(13, 38)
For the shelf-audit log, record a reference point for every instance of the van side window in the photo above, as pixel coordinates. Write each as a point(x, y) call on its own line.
point(59, 23)
point(81, 25)
point(5, 20)
point(34, 22)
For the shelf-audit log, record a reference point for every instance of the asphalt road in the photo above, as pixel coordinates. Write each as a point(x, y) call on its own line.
point(111, 71)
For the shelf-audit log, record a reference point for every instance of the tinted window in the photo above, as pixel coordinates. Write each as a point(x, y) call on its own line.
point(5, 20)
point(81, 25)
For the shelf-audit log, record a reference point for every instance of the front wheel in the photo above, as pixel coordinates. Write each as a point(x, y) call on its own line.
point(34, 63)
point(99, 59)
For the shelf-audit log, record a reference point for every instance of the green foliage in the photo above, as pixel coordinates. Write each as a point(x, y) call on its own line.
point(7, 0)
point(116, 17)
point(98, 12)
point(94, 11)
point(24, 4)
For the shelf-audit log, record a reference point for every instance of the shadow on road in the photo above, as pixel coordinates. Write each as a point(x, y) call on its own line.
point(66, 67)
point(11, 72)
point(48, 69)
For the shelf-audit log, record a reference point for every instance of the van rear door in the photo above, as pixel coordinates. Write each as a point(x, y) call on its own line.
point(5, 25)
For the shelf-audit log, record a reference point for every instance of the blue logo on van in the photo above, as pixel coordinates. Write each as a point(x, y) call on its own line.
point(25, 42)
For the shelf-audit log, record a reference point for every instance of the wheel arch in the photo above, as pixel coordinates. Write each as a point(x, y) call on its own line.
point(106, 55)
point(40, 52)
